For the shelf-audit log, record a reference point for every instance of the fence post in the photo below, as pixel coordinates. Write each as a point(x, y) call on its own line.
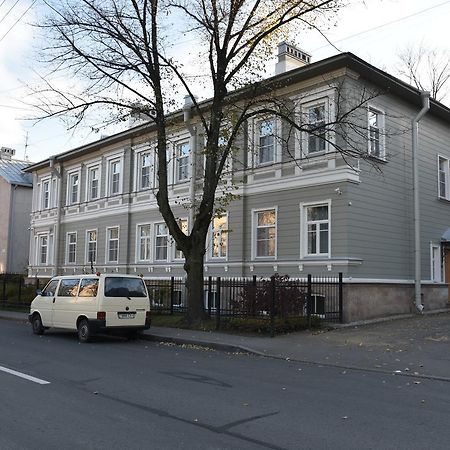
point(172, 289)
point(341, 300)
point(272, 306)
point(209, 294)
point(20, 290)
point(309, 300)
point(218, 303)
point(253, 304)
point(4, 288)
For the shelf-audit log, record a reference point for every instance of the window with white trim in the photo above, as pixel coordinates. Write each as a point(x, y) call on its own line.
point(53, 194)
point(265, 234)
point(375, 123)
point(144, 170)
point(91, 246)
point(219, 244)
point(46, 194)
point(93, 183)
point(71, 249)
point(114, 173)
point(436, 268)
point(316, 236)
point(182, 161)
point(144, 242)
point(443, 178)
point(74, 188)
point(161, 241)
point(43, 250)
point(266, 142)
point(183, 224)
point(112, 247)
point(316, 120)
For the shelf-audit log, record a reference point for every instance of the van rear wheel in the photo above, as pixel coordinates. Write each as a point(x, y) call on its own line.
point(36, 323)
point(84, 331)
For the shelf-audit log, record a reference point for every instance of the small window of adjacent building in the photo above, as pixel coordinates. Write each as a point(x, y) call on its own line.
point(219, 247)
point(183, 224)
point(161, 241)
point(45, 194)
point(317, 230)
point(71, 250)
point(443, 177)
point(317, 136)
point(266, 142)
point(94, 183)
point(74, 191)
point(375, 119)
point(144, 243)
point(112, 244)
point(265, 233)
point(182, 161)
point(91, 246)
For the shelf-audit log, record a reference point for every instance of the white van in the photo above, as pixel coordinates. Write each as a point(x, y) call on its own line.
point(92, 304)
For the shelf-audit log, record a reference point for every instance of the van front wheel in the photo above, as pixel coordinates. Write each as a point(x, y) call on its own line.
point(36, 323)
point(84, 332)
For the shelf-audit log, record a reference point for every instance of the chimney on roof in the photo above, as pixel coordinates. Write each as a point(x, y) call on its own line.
point(7, 153)
point(290, 57)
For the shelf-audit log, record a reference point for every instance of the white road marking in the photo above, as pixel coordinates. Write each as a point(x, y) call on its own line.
point(23, 375)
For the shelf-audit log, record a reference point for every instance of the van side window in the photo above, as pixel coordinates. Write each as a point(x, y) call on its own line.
point(68, 288)
point(88, 287)
point(50, 289)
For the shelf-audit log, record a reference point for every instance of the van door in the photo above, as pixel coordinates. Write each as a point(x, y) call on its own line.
point(87, 298)
point(125, 301)
point(64, 307)
point(45, 303)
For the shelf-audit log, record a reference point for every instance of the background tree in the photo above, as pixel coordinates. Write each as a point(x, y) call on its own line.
point(114, 56)
point(428, 69)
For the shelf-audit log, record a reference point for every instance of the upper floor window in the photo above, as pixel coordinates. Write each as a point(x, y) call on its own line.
point(71, 250)
point(317, 136)
point(144, 242)
point(265, 233)
point(113, 244)
point(183, 224)
point(46, 194)
point(266, 142)
point(94, 183)
point(91, 246)
point(161, 241)
point(316, 232)
point(219, 247)
point(443, 177)
point(375, 120)
point(182, 161)
point(144, 169)
point(74, 188)
point(114, 182)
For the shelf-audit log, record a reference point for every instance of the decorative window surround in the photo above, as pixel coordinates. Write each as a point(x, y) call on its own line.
point(376, 133)
point(161, 242)
point(73, 187)
point(315, 229)
point(143, 242)
point(443, 178)
point(93, 181)
point(71, 248)
point(112, 244)
point(114, 174)
point(219, 238)
point(264, 131)
point(91, 246)
point(264, 231)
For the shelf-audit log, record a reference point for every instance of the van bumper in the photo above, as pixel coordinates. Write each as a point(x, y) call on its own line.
point(99, 326)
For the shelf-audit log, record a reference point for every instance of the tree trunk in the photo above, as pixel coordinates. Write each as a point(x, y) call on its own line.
point(195, 290)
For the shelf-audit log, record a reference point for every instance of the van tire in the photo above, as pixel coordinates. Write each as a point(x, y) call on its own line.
point(36, 323)
point(84, 331)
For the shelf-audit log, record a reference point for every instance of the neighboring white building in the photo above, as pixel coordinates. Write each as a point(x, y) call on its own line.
point(16, 195)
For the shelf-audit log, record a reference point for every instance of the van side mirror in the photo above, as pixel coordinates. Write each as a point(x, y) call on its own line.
point(38, 292)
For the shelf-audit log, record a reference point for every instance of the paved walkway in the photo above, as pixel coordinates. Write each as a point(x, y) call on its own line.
point(416, 346)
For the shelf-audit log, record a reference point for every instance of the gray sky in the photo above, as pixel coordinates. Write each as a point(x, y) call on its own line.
point(375, 30)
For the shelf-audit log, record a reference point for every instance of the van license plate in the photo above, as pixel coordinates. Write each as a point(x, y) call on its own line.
point(126, 315)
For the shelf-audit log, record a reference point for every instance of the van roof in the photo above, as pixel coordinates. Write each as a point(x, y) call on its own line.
point(93, 275)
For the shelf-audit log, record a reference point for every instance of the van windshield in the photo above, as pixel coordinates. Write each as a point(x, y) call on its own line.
point(124, 287)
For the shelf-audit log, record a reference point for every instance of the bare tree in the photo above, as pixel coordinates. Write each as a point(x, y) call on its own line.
point(119, 52)
point(426, 68)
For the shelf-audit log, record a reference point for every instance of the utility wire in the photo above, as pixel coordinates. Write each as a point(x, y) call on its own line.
point(10, 9)
point(18, 20)
point(1, 4)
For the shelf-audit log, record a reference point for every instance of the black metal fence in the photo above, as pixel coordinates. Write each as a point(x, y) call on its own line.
point(275, 297)
point(15, 292)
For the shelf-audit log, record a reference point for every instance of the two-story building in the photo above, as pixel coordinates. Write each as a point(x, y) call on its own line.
point(303, 207)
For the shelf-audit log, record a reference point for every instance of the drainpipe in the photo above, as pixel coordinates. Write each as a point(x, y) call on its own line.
point(415, 160)
point(188, 102)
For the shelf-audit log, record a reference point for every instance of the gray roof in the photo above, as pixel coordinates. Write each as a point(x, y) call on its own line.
point(11, 171)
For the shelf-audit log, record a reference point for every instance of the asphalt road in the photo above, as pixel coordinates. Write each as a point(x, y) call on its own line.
point(119, 394)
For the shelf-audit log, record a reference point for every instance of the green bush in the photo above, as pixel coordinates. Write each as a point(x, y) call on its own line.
point(263, 325)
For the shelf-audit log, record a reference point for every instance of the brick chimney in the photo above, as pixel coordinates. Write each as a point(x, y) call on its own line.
point(290, 57)
point(7, 153)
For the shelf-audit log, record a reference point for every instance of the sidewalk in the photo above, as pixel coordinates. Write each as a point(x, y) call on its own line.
point(416, 346)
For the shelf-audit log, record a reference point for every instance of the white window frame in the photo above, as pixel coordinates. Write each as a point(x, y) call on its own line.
point(254, 233)
point(178, 254)
point(381, 130)
point(304, 229)
point(259, 136)
point(306, 107)
point(435, 264)
point(46, 202)
point(108, 244)
point(141, 156)
point(446, 175)
point(86, 255)
point(89, 169)
point(186, 161)
point(156, 235)
point(109, 180)
point(40, 248)
point(54, 192)
point(223, 234)
point(68, 244)
point(70, 175)
point(149, 242)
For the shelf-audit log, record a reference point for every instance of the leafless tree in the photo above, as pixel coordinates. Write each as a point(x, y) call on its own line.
point(119, 52)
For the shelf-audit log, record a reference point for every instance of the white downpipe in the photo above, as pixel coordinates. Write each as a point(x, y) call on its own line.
point(415, 160)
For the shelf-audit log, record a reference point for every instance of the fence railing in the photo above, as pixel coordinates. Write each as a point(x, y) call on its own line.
point(275, 297)
point(14, 292)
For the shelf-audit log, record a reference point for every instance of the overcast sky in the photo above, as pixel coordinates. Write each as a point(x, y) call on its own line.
point(375, 30)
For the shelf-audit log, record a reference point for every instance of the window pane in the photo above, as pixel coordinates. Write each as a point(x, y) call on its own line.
point(124, 287)
point(68, 288)
point(88, 287)
point(318, 213)
point(266, 217)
